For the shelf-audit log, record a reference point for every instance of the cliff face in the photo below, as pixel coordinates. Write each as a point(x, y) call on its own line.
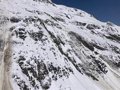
point(54, 47)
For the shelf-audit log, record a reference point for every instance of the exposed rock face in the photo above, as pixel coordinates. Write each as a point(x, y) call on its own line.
point(55, 47)
point(45, 1)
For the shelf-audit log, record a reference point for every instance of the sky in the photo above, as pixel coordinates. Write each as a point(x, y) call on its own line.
point(103, 10)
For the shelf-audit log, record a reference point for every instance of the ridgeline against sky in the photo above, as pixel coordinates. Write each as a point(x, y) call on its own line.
point(104, 10)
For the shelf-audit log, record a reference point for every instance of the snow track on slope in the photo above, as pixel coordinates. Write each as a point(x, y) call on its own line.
point(4, 61)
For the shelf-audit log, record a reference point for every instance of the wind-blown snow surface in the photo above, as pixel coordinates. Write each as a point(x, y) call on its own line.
point(55, 47)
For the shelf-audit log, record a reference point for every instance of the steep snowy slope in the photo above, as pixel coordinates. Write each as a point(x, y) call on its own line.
point(55, 47)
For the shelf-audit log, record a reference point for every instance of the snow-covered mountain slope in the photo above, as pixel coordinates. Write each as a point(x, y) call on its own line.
point(55, 47)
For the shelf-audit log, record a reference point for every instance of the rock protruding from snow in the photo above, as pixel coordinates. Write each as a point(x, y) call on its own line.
point(59, 48)
point(46, 1)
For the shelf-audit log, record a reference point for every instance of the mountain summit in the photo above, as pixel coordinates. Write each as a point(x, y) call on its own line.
point(44, 46)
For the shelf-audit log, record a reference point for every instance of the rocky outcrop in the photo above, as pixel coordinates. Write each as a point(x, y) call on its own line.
point(52, 47)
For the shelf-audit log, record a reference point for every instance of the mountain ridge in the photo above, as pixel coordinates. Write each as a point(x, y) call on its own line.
point(55, 47)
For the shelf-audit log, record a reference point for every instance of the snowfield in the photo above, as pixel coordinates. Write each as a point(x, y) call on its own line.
point(54, 47)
